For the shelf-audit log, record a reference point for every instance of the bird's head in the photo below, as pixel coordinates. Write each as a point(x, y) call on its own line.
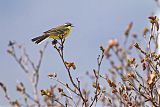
point(68, 24)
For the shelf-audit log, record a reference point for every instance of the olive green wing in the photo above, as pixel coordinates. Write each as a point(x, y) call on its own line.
point(56, 31)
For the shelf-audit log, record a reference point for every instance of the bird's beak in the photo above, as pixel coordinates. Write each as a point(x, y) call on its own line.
point(72, 26)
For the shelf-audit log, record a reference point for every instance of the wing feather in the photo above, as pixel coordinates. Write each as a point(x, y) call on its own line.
point(56, 31)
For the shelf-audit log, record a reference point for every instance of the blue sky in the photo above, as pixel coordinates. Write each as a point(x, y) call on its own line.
point(95, 21)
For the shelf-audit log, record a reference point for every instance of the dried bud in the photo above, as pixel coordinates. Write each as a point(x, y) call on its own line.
point(20, 87)
point(127, 31)
point(157, 57)
point(96, 85)
point(70, 65)
point(11, 43)
point(142, 60)
point(111, 83)
point(60, 90)
point(131, 61)
point(153, 54)
point(52, 75)
point(114, 90)
point(130, 75)
point(124, 96)
point(151, 79)
point(112, 42)
point(15, 103)
point(152, 17)
point(73, 65)
point(43, 92)
point(144, 66)
point(137, 46)
point(46, 92)
point(102, 49)
point(154, 21)
point(145, 31)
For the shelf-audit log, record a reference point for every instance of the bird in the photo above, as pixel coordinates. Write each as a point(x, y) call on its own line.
point(57, 33)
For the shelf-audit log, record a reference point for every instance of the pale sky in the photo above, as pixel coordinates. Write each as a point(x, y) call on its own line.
point(95, 21)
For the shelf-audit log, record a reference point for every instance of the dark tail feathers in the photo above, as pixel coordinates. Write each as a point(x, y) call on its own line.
point(39, 39)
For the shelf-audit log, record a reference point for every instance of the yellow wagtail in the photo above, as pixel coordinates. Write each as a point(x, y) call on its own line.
point(60, 32)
